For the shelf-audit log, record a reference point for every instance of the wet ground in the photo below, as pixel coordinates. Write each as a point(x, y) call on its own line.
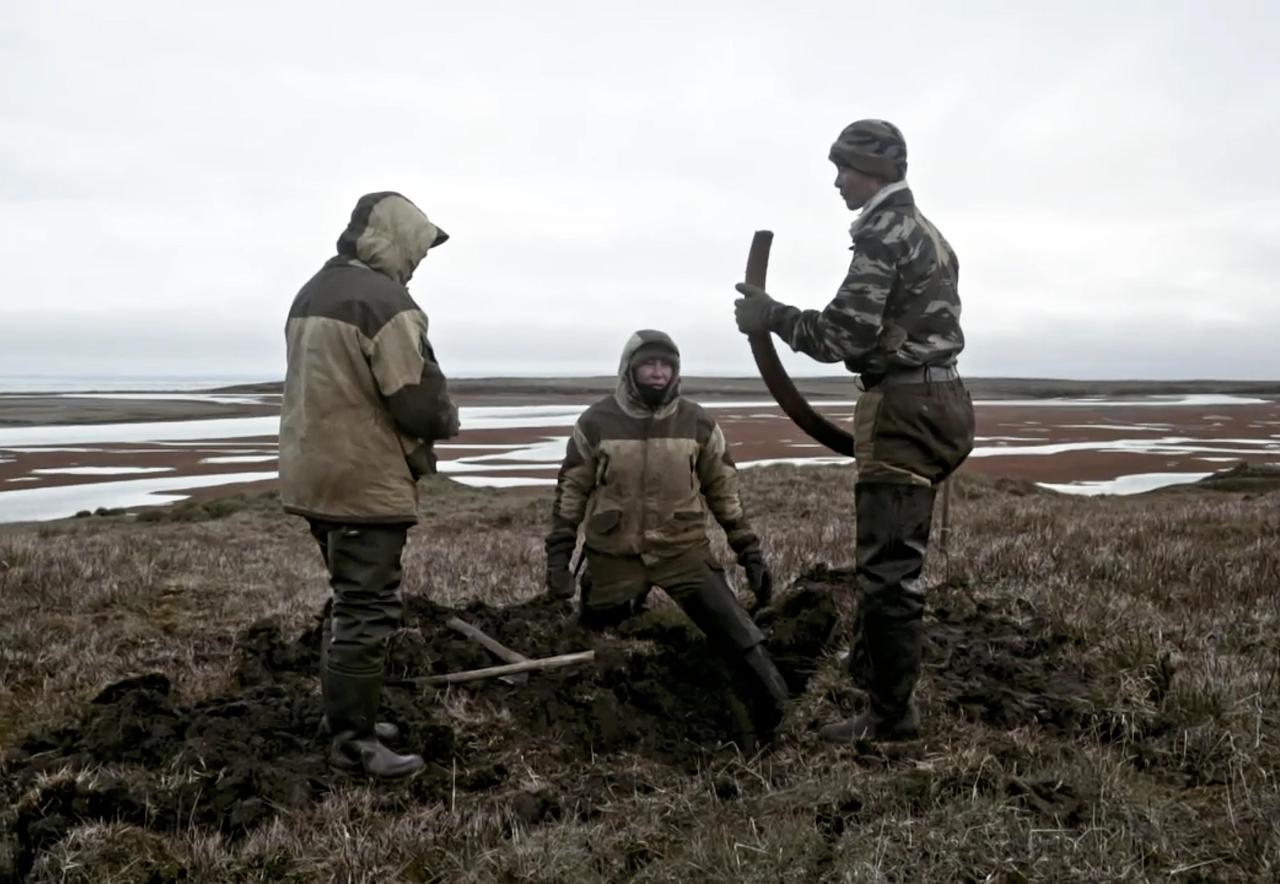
point(231, 763)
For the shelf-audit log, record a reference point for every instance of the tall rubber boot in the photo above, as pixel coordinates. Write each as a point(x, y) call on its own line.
point(384, 730)
point(891, 714)
point(351, 702)
point(893, 536)
point(771, 691)
point(715, 610)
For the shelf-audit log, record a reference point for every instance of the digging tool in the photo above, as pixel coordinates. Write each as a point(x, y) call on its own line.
point(493, 646)
point(498, 671)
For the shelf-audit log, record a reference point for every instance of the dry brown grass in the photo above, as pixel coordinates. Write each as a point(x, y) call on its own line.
point(1172, 603)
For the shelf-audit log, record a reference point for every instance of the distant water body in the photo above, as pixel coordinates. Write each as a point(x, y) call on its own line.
point(57, 383)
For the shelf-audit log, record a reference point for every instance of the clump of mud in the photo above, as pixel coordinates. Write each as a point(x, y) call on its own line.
point(1006, 671)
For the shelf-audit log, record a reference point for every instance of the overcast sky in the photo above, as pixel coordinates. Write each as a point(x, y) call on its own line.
point(171, 174)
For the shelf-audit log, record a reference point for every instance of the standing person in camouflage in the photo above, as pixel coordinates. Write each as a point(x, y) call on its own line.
point(642, 469)
point(363, 402)
point(895, 321)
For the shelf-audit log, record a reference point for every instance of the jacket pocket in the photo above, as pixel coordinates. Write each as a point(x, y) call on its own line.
point(603, 523)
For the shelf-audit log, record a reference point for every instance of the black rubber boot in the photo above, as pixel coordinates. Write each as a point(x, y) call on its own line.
point(384, 730)
point(351, 703)
point(715, 610)
point(871, 726)
point(893, 536)
point(771, 693)
point(893, 650)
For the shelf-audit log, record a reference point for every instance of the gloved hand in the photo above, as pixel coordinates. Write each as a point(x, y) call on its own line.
point(758, 577)
point(422, 460)
point(559, 580)
point(753, 311)
point(451, 425)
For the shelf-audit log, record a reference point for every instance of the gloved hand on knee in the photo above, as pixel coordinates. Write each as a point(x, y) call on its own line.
point(758, 576)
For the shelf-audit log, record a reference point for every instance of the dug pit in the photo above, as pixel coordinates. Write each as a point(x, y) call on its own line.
point(141, 755)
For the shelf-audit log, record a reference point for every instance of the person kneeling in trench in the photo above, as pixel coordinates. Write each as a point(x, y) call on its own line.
point(642, 469)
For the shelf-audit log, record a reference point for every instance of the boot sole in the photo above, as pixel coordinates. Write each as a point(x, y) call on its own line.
point(356, 770)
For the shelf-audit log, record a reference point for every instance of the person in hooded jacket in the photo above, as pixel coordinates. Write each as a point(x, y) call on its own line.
point(363, 402)
point(641, 472)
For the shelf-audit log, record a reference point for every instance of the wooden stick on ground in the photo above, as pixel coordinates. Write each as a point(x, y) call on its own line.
point(496, 671)
point(495, 647)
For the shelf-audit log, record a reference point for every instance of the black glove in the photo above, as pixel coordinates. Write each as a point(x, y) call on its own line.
point(422, 460)
point(559, 580)
point(754, 311)
point(758, 577)
point(452, 426)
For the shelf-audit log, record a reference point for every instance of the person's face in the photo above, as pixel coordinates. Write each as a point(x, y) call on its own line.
point(655, 372)
point(855, 187)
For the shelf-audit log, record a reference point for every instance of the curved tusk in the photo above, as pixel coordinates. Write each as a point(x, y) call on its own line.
point(775, 376)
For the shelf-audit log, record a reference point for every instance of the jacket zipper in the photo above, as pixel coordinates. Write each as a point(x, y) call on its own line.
point(644, 484)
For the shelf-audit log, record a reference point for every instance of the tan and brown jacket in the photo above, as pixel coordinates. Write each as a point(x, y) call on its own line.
point(363, 395)
point(643, 479)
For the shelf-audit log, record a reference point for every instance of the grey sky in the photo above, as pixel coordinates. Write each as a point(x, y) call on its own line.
point(170, 175)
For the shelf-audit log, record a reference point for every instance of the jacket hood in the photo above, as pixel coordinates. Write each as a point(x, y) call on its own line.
point(641, 345)
point(390, 234)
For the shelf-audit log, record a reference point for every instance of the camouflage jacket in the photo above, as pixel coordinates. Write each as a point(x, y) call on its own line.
point(363, 395)
point(643, 480)
point(898, 306)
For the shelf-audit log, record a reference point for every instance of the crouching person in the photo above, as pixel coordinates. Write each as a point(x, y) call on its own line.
point(642, 469)
point(363, 401)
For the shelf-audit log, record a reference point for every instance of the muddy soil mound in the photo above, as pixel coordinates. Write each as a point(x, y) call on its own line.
point(1003, 666)
point(141, 755)
point(647, 690)
point(1004, 670)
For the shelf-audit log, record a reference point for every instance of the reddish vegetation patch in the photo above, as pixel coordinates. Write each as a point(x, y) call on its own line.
point(179, 461)
point(762, 432)
point(754, 437)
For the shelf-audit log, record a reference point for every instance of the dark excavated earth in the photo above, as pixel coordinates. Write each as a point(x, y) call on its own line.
point(140, 754)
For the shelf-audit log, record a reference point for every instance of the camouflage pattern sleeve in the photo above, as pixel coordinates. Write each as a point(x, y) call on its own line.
point(846, 330)
point(574, 484)
point(718, 477)
point(899, 305)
